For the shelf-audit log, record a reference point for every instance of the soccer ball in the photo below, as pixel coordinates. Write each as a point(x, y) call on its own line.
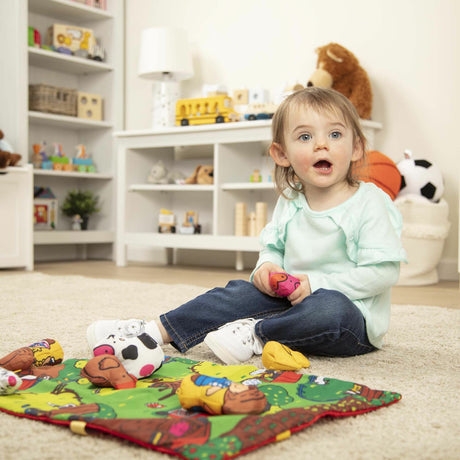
point(420, 177)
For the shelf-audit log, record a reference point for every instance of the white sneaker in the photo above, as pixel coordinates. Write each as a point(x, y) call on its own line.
point(235, 342)
point(99, 330)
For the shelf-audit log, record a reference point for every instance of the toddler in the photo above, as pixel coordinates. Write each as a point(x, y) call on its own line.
point(338, 236)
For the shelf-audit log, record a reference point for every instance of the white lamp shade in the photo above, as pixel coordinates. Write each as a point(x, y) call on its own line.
point(163, 51)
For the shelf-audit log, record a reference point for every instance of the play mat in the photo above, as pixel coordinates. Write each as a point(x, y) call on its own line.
point(151, 415)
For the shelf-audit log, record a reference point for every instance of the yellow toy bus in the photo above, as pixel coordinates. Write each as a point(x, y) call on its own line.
point(205, 110)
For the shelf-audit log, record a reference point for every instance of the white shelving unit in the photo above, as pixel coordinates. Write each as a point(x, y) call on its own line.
point(235, 150)
point(24, 127)
point(16, 229)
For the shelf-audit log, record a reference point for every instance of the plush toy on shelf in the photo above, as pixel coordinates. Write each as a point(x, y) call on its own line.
point(158, 174)
point(203, 175)
point(7, 155)
point(420, 177)
point(339, 69)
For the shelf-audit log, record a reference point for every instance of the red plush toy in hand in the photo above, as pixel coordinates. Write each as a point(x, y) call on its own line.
point(283, 284)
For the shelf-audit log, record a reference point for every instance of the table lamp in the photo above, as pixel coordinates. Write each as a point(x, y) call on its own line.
point(165, 57)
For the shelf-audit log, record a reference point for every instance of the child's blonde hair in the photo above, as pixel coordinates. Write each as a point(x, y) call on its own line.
point(319, 100)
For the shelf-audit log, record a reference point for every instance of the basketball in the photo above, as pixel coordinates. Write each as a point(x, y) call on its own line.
point(381, 171)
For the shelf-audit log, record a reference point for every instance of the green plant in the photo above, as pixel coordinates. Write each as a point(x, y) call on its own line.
point(82, 202)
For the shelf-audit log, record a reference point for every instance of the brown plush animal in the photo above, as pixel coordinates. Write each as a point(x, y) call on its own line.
point(203, 174)
point(7, 157)
point(339, 69)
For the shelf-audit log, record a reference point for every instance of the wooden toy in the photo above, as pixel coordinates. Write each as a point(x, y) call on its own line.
point(34, 38)
point(166, 222)
point(205, 110)
point(260, 111)
point(68, 38)
point(101, 4)
point(255, 176)
point(258, 96)
point(241, 96)
point(39, 155)
point(45, 209)
point(252, 229)
point(190, 225)
point(241, 219)
point(89, 106)
point(213, 90)
point(261, 216)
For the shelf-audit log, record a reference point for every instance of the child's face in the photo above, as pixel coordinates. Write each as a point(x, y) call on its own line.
point(319, 147)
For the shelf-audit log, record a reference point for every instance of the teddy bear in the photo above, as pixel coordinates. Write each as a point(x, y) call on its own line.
point(158, 174)
point(203, 174)
point(339, 69)
point(7, 156)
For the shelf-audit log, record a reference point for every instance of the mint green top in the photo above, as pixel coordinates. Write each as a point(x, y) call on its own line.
point(354, 248)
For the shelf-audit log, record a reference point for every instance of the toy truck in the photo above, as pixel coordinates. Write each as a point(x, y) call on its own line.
point(205, 110)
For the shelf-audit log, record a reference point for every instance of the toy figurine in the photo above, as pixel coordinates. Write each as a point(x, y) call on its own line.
point(76, 222)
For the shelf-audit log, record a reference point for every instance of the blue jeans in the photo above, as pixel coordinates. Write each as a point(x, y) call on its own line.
point(325, 323)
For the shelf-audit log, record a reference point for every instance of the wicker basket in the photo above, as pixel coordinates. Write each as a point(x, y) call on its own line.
point(47, 98)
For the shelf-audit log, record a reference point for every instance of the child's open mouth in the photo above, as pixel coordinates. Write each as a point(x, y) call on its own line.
point(323, 165)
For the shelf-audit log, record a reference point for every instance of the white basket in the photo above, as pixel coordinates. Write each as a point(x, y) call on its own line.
point(425, 229)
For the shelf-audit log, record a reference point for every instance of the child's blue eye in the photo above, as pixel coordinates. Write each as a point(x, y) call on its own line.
point(336, 135)
point(305, 137)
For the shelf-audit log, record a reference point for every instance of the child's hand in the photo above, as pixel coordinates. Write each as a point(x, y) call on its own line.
point(304, 290)
point(261, 278)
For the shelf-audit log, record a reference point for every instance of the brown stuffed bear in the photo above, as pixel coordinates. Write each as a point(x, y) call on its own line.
point(339, 69)
point(7, 157)
point(203, 174)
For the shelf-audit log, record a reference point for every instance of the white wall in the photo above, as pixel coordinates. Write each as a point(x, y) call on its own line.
point(408, 47)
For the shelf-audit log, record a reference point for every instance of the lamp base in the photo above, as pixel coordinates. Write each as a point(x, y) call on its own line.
point(165, 96)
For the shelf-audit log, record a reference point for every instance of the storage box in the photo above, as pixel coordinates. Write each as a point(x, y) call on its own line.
point(89, 106)
point(70, 37)
point(52, 99)
point(425, 229)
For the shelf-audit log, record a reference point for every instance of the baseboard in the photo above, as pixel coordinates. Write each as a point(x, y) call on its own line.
point(448, 270)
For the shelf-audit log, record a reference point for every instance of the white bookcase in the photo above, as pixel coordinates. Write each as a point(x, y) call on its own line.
point(23, 127)
point(234, 149)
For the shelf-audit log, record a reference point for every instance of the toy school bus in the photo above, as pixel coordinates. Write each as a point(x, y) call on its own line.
point(205, 110)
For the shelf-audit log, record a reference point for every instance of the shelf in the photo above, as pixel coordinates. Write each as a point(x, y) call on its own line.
point(65, 9)
point(248, 186)
point(73, 237)
point(220, 127)
point(170, 240)
point(65, 121)
point(67, 174)
point(60, 62)
point(170, 188)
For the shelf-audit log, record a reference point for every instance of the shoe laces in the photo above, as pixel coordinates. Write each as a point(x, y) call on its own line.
point(244, 331)
point(131, 328)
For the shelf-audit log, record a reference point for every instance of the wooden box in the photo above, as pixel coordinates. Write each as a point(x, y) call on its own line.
point(89, 106)
point(70, 37)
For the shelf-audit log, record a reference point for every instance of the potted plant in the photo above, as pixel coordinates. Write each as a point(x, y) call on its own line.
point(81, 203)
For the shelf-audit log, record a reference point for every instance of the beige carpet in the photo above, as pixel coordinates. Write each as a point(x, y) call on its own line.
point(420, 361)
